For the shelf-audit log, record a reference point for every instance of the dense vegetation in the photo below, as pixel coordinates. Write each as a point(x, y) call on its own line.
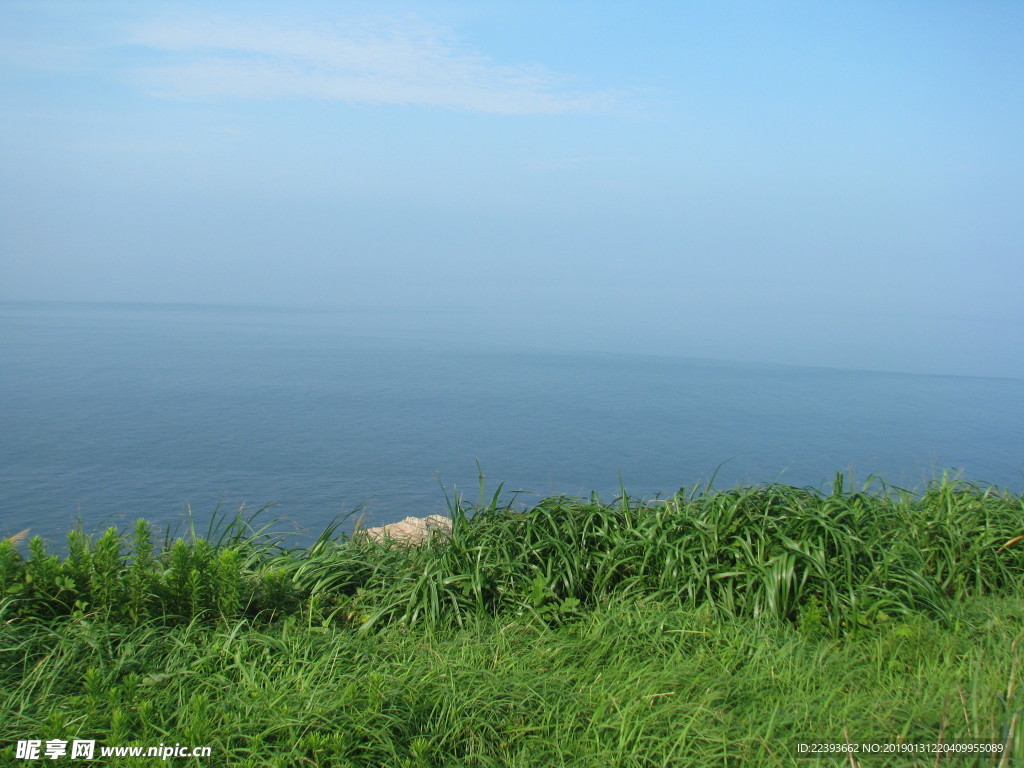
point(709, 628)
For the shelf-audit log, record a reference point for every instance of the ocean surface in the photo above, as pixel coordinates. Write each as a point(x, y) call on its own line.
point(114, 412)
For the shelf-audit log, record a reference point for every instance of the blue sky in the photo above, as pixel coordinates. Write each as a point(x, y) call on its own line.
point(834, 184)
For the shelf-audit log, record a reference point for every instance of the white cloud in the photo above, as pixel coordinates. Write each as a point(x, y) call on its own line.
point(381, 62)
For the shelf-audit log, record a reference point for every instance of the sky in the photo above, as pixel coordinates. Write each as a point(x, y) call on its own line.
point(817, 183)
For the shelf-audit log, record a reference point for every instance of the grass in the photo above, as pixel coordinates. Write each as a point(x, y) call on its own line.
point(709, 628)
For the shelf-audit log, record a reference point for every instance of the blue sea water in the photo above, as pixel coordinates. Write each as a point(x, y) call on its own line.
point(112, 412)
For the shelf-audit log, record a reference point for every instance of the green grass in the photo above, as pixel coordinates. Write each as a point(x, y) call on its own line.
point(710, 628)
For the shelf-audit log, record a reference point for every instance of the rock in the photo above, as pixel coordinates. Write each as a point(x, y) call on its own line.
point(411, 531)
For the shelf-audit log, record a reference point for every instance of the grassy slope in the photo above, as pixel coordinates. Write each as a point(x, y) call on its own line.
point(697, 632)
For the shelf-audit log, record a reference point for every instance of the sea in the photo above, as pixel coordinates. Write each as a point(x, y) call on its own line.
point(301, 417)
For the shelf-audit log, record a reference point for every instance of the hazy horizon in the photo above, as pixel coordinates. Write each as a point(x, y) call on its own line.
point(835, 185)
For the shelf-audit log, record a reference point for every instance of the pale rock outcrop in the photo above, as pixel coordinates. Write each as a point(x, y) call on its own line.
point(412, 530)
